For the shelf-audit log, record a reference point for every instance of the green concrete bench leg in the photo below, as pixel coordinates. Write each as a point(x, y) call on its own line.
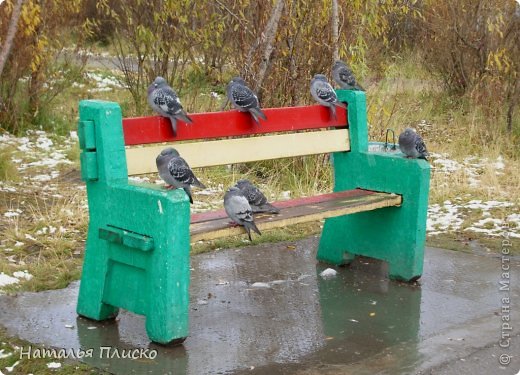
point(394, 234)
point(137, 253)
point(90, 300)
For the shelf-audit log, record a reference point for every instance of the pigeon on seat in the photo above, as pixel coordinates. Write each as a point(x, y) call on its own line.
point(239, 211)
point(176, 172)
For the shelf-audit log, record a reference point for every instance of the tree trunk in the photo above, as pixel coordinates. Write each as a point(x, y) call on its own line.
point(11, 32)
point(269, 34)
point(335, 30)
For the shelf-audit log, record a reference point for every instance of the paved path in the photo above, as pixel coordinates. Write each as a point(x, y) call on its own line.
point(358, 322)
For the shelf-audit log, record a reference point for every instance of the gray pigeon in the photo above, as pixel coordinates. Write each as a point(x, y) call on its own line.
point(255, 197)
point(176, 172)
point(412, 145)
point(323, 93)
point(238, 209)
point(343, 76)
point(244, 99)
point(165, 102)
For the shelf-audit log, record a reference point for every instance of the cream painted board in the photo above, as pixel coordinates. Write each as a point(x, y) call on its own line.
point(141, 160)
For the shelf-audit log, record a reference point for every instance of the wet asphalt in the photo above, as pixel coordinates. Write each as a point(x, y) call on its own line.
point(297, 322)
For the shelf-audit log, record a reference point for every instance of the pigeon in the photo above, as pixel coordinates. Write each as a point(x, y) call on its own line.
point(344, 77)
point(238, 209)
point(165, 102)
point(255, 197)
point(323, 93)
point(412, 145)
point(176, 172)
point(244, 99)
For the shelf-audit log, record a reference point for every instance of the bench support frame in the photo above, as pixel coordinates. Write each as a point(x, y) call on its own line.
point(137, 250)
point(394, 234)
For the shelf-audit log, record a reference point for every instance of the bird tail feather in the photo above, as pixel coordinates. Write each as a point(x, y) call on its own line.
point(256, 113)
point(184, 117)
point(248, 225)
point(267, 207)
point(332, 109)
point(359, 87)
point(199, 184)
point(173, 121)
point(225, 104)
point(188, 192)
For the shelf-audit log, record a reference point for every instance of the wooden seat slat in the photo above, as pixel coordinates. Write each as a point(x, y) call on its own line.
point(296, 211)
point(219, 214)
point(155, 129)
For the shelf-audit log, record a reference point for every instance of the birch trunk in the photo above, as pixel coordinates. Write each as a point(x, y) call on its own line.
point(269, 35)
point(11, 32)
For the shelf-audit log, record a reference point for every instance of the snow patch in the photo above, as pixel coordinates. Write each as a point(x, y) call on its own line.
point(7, 280)
point(329, 272)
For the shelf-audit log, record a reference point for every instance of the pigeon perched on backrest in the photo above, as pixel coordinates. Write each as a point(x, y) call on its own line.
point(176, 172)
point(323, 93)
point(412, 145)
point(165, 102)
point(343, 76)
point(244, 99)
point(238, 209)
point(255, 197)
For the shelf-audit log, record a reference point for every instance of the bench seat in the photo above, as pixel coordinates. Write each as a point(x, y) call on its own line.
point(216, 224)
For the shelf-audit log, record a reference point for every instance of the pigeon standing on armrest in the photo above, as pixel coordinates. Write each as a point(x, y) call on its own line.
point(176, 172)
point(255, 197)
point(166, 103)
point(323, 93)
point(412, 145)
point(344, 77)
point(238, 209)
point(244, 99)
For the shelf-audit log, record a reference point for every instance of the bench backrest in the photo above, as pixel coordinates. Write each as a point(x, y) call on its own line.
point(275, 138)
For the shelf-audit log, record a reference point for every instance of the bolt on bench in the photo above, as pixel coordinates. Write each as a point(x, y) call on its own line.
point(137, 250)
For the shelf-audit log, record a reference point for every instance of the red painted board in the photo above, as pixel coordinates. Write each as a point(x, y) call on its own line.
point(219, 214)
point(156, 129)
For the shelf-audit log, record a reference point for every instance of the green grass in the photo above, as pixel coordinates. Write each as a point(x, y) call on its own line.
point(36, 365)
point(472, 243)
point(8, 171)
point(290, 233)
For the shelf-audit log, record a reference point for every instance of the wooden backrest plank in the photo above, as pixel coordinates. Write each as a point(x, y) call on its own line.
point(155, 129)
point(141, 160)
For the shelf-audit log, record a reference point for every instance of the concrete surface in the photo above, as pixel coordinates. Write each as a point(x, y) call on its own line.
point(358, 322)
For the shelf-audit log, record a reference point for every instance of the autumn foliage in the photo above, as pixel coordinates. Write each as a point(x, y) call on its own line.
point(471, 45)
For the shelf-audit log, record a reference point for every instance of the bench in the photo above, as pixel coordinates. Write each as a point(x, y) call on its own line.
point(138, 243)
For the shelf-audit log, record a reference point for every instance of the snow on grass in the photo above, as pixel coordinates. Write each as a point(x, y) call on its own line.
point(37, 156)
point(107, 83)
point(7, 280)
point(450, 217)
point(471, 166)
point(13, 213)
point(443, 218)
point(2, 355)
point(22, 275)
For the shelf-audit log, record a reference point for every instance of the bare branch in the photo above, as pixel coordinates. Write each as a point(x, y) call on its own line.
point(335, 28)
